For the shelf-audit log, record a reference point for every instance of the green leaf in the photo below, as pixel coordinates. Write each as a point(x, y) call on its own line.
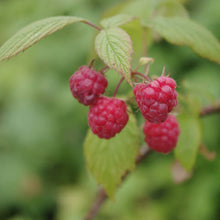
point(183, 31)
point(116, 20)
point(141, 8)
point(108, 160)
point(171, 8)
point(33, 33)
point(189, 140)
point(114, 47)
point(144, 10)
point(139, 36)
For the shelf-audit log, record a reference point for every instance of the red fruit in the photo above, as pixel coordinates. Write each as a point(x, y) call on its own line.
point(156, 99)
point(162, 137)
point(86, 85)
point(107, 117)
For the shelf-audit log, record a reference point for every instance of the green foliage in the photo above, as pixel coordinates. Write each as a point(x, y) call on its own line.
point(116, 20)
point(171, 8)
point(189, 140)
point(183, 31)
point(42, 128)
point(33, 33)
point(114, 47)
point(108, 160)
point(146, 10)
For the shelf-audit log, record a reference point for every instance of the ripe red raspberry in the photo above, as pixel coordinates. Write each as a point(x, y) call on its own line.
point(162, 137)
point(156, 99)
point(107, 117)
point(86, 85)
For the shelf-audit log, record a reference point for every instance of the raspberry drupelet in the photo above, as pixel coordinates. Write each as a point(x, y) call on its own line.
point(156, 99)
point(87, 85)
point(162, 137)
point(107, 117)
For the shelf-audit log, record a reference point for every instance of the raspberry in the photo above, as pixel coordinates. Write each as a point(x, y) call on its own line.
point(86, 85)
point(156, 99)
point(107, 117)
point(162, 137)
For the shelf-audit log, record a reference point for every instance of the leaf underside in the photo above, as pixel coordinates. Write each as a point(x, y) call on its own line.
point(183, 31)
point(33, 33)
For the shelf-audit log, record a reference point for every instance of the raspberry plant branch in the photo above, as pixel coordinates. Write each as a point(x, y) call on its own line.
point(210, 109)
point(102, 196)
point(100, 199)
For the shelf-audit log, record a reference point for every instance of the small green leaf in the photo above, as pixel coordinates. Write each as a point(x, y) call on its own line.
point(189, 140)
point(33, 33)
point(114, 47)
point(183, 31)
point(145, 60)
point(108, 160)
point(116, 20)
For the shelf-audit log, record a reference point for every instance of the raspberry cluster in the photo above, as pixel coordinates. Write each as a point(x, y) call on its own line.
point(107, 116)
point(156, 99)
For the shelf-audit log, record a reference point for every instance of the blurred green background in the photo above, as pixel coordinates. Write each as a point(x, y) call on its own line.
point(42, 170)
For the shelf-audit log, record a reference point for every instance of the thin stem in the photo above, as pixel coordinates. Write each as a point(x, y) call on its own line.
point(140, 74)
point(91, 63)
point(102, 196)
point(163, 71)
point(147, 69)
point(210, 109)
point(117, 87)
point(104, 70)
point(92, 25)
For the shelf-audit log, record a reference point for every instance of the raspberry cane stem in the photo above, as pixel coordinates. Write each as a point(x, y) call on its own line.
point(142, 75)
point(104, 70)
point(117, 87)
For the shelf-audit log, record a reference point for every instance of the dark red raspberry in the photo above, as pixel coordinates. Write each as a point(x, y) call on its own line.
point(107, 117)
point(156, 99)
point(86, 85)
point(162, 137)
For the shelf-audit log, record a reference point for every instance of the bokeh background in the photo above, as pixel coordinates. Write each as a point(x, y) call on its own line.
point(42, 169)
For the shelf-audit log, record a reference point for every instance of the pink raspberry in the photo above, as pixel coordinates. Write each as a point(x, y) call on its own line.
point(156, 99)
point(107, 117)
point(162, 137)
point(86, 85)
